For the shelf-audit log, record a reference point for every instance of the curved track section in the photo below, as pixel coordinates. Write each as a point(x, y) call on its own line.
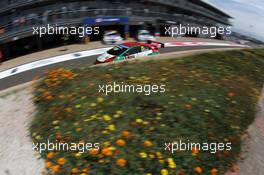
point(25, 73)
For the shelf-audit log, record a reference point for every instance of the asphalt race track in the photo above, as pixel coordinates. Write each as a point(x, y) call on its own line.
point(87, 61)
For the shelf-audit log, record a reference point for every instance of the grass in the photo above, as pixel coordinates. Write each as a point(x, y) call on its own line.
point(209, 98)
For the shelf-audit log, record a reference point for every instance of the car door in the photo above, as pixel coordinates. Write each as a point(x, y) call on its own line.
point(145, 51)
point(132, 52)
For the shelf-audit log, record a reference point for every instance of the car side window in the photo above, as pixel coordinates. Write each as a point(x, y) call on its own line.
point(134, 50)
point(144, 48)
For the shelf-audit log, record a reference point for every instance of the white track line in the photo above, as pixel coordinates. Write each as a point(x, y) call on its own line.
point(82, 54)
point(52, 60)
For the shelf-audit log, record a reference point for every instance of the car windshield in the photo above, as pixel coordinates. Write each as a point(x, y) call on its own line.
point(111, 34)
point(117, 50)
point(144, 33)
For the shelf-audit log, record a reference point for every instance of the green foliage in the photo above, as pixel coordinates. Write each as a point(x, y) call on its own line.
point(209, 98)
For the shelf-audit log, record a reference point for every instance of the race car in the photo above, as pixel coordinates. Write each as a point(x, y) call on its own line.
point(145, 35)
point(129, 50)
point(112, 37)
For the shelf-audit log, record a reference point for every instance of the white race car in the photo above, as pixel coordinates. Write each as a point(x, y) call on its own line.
point(129, 50)
point(112, 37)
point(145, 35)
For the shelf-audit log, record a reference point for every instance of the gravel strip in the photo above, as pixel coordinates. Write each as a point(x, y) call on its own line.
point(16, 154)
point(252, 157)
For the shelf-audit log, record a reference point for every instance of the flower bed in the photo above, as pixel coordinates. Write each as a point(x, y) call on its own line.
point(209, 98)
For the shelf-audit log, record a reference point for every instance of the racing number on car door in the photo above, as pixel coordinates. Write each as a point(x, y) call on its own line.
point(133, 52)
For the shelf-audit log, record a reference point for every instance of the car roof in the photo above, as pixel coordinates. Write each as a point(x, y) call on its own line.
point(143, 31)
point(110, 32)
point(132, 44)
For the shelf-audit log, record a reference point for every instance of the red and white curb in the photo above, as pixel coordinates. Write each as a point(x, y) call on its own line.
point(82, 54)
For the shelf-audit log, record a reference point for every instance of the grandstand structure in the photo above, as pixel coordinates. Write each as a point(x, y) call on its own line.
point(18, 17)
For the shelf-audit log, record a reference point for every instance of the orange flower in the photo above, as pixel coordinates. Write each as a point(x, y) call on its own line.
point(50, 155)
point(198, 170)
point(107, 152)
point(195, 151)
point(68, 74)
point(49, 97)
point(48, 164)
point(74, 170)
point(61, 161)
point(78, 129)
point(58, 136)
point(188, 106)
point(148, 143)
point(69, 110)
point(214, 171)
point(85, 170)
point(126, 134)
point(61, 96)
point(121, 162)
point(46, 93)
point(94, 151)
point(120, 142)
point(231, 94)
point(56, 168)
